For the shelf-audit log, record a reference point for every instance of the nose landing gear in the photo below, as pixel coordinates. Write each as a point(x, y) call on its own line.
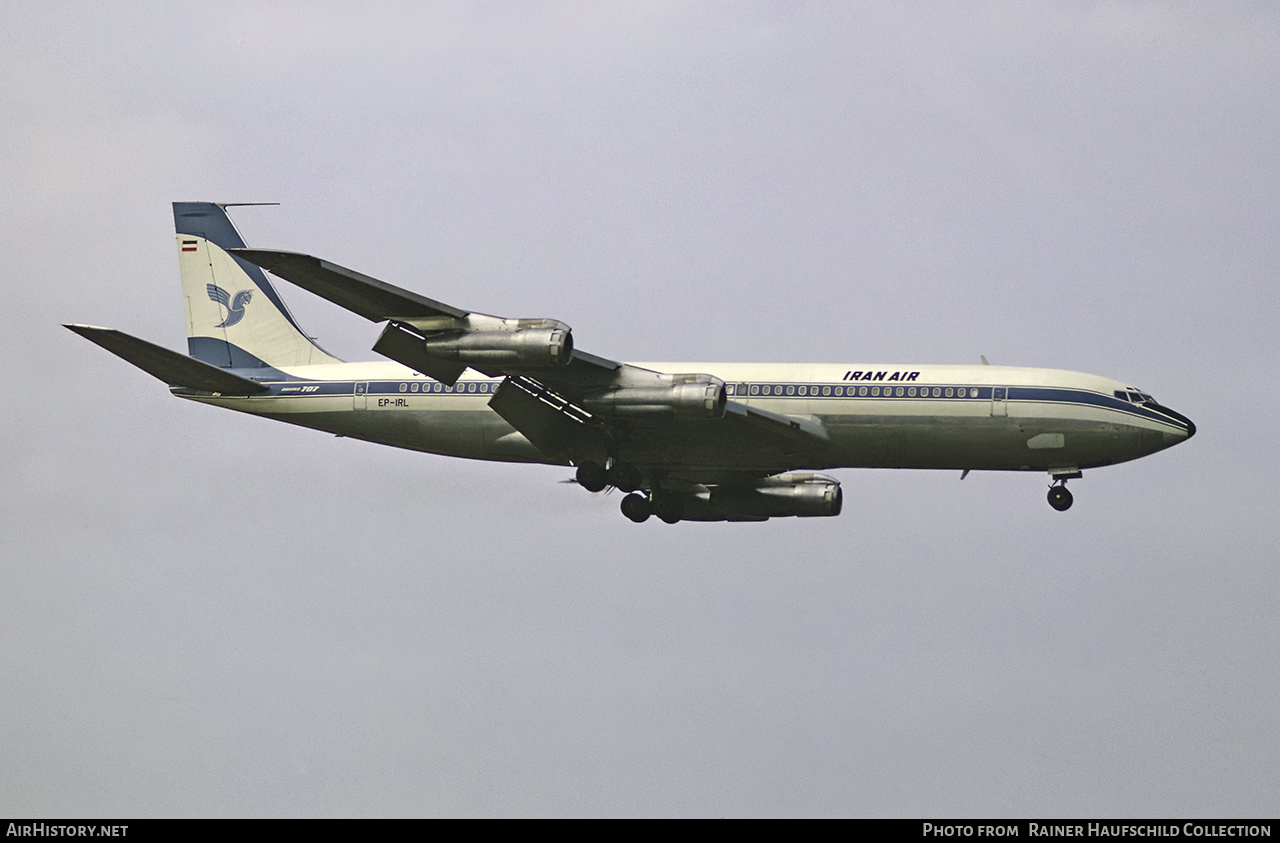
point(1059, 498)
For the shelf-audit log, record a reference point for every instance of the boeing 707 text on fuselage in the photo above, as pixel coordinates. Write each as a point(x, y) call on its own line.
point(685, 441)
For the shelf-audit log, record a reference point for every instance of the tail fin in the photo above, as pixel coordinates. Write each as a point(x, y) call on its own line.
point(235, 318)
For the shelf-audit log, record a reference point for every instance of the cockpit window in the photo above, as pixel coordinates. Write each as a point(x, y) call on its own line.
point(1135, 396)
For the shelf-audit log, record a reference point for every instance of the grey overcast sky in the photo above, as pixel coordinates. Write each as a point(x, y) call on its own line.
point(207, 614)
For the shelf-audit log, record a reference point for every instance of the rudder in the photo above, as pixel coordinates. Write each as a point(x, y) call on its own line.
point(235, 317)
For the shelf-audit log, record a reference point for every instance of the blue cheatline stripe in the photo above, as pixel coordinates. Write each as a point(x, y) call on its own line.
point(1043, 395)
point(1079, 396)
point(305, 388)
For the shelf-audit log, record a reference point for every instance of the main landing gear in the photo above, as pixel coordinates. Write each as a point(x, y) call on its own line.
point(639, 507)
point(594, 477)
point(1059, 498)
point(636, 507)
point(591, 476)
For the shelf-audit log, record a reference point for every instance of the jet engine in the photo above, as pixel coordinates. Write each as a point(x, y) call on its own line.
point(525, 348)
point(780, 496)
point(803, 495)
point(688, 397)
point(443, 347)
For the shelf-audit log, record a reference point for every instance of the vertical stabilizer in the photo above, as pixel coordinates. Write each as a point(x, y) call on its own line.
point(235, 318)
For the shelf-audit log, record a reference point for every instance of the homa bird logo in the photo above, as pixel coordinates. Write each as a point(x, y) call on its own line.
point(234, 304)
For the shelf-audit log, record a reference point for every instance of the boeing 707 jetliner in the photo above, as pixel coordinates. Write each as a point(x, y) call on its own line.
point(685, 441)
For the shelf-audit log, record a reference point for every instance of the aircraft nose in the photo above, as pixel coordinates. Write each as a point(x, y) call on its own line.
point(1187, 424)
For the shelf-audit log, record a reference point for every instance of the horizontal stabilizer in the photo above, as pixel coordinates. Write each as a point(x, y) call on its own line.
point(368, 297)
point(169, 366)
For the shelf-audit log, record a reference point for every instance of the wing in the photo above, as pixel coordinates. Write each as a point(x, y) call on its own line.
point(412, 318)
point(568, 403)
point(375, 300)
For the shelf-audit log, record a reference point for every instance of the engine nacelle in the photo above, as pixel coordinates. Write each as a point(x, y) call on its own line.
point(780, 496)
point(704, 398)
point(525, 348)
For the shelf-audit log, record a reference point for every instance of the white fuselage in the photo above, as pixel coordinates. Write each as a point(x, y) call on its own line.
point(873, 416)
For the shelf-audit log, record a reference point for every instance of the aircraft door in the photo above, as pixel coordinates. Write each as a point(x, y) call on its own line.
point(999, 401)
point(359, 394)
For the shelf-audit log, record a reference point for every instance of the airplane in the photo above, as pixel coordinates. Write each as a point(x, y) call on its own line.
point(684, 441)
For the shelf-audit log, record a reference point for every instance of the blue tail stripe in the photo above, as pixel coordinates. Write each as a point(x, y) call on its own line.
point(226, 355)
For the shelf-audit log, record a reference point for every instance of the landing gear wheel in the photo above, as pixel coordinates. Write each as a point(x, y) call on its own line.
point(625, 478)
point(591, 476)
point(667, 508)
point(636, 507)
point(1059, 498)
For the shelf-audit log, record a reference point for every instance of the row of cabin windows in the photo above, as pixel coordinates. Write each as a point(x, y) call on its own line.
point(482, 388)
point(859, 391)
point(485, 388)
